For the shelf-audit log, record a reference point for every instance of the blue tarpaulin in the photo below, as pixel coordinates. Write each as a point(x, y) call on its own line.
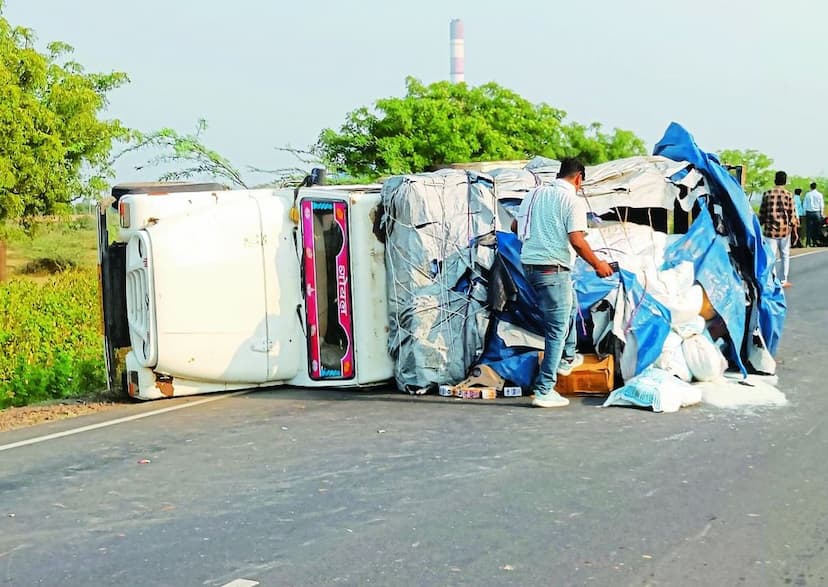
point(649, 321)
point(714, 270)
point(721, 266)
point(678, 145)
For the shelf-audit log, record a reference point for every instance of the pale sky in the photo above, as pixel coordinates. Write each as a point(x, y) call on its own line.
point(737, 73)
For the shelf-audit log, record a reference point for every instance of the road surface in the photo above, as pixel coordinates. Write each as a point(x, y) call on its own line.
point(329, 488)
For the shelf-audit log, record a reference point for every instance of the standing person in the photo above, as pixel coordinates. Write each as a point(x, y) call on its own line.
point(778, 218)
point(799, 234)
point(814, 205)
point(551, 224)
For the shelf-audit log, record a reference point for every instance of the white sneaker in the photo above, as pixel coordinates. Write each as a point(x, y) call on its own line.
point(566, 366)
point(550, 400)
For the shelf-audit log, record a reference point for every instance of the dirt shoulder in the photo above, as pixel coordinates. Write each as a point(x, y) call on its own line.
point(15, 418)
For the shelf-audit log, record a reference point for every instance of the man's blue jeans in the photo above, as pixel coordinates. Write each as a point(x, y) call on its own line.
point(556, 301)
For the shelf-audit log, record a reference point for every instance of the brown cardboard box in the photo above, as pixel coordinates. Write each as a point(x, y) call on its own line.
point(488, 393)
point(594, 377)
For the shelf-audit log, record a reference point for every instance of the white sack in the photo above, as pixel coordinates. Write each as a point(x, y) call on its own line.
point(657, 389)
point(690, 328)
point(672, 358)
point(705, 361)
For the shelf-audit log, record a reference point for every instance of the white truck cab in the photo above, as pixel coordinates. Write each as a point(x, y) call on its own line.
point(215, 290)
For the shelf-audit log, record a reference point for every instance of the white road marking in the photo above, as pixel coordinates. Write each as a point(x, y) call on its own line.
point(809, 253)
point(241, 583)
point(117, 421)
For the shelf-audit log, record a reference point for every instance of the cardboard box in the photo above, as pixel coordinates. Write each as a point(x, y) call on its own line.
point(470, 393)
point(488, 393)
point(594, 377)
point(512, 392)
point(446, 390)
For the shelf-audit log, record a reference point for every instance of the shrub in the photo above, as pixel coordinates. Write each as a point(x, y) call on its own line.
point(50, 340)
point(47, 265)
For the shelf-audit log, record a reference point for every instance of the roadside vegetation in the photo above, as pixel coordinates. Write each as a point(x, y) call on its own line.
point(49, 313)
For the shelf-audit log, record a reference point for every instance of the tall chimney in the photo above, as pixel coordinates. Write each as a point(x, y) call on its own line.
point(458, 51)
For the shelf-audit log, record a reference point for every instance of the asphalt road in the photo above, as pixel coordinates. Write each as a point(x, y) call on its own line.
point(329, 488)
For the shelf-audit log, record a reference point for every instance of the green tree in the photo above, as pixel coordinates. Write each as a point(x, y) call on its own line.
point(759, 168)
point(445, 123)
point(798, 181)
point(54, 146)
point(187, 157)
point(173, 149)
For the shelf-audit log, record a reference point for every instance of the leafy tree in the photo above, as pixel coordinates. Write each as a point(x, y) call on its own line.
point(445, 123)
point(797, 181)
point(175, 149)
point(186, 156)
point(759, 168)
point(54, 146)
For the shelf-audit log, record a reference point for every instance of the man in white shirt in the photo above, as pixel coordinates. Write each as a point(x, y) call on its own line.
point(814, 205)
point(551, 224)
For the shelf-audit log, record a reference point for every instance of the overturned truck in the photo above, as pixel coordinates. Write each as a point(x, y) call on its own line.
point(419, 279)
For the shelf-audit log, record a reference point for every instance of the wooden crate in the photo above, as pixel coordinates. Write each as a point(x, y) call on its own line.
point(594, 377)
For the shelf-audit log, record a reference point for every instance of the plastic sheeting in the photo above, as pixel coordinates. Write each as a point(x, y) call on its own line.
point(754, 255)
point(641, 182)
point(434, 262)
point(458, 296)
point(716, 274)
point(644, 322)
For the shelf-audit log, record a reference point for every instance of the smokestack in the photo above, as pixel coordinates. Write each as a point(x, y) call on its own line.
point(458, 51)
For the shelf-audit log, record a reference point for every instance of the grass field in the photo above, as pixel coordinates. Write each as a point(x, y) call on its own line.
point(49, 314)
point(63, 243)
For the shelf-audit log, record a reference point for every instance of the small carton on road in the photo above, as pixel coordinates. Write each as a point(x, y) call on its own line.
point(446, 390)
point(512, 391)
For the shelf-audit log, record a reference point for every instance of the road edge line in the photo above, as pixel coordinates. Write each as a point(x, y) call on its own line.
point(117, 421)
point(805, 254)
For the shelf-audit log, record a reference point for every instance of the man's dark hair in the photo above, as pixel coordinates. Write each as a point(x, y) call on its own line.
point(571, 167)
point(781, 178)
point(813, 185)
point(798, 191)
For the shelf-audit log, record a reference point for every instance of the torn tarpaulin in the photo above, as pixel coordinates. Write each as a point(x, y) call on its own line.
point(645, 324)
point(751, 254)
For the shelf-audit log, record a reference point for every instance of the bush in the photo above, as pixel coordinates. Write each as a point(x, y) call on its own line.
point(47, 265)
point(50, 340)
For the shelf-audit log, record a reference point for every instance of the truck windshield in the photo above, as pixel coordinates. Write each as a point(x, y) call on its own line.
point(327, 276)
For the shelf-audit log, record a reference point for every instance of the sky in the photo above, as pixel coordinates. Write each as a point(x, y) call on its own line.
point(268, 73)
